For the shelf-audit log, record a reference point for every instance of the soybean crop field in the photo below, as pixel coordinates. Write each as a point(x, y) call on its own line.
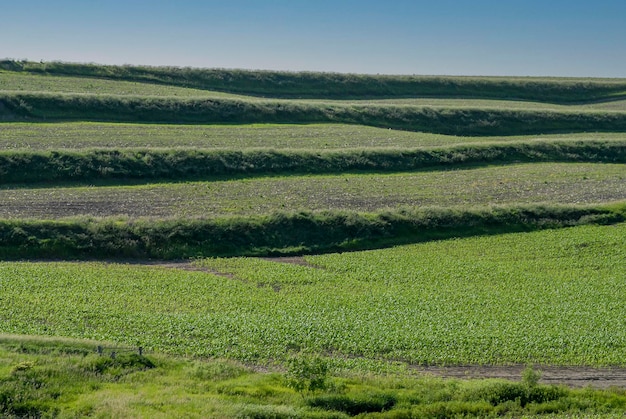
point(549, 297)
point(451, 194)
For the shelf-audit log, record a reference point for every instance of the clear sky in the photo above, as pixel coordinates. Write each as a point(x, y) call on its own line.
point(451, 37)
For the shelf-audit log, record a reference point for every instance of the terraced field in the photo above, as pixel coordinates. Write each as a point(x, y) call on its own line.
point(517, 184)
point(470, 179)
point(67, 84)
point(549, 297)
point(86, 135)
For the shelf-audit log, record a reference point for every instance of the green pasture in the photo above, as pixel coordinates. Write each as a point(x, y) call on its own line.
point(548, 297)
point(571, 183)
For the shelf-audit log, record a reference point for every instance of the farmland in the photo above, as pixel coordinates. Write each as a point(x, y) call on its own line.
point(551, 183)
point(86, 135)
point(424, 219)
point(549, 297)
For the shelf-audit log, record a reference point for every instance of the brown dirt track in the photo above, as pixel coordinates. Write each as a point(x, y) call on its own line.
point(572, 376)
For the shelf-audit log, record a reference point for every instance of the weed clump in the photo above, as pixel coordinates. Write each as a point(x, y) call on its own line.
point(117, 366)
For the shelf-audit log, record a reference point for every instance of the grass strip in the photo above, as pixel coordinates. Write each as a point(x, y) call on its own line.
point(452, 121)
point(67, 378)
point(338, 86)
point(280, 233)
point(38, 166)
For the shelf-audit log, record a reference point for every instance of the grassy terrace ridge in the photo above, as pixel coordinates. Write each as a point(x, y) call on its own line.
point(281, 233)
point(337, 86)
point(21, 166)
point(453, 121)
point(11, 82)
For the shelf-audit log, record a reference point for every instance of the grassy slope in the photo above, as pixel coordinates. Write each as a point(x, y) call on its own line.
point(281, 233)
point(34, 83)
point(11, 82)
point(78, 383)
point(149, 164)
point(456, 121)
point(95, 99)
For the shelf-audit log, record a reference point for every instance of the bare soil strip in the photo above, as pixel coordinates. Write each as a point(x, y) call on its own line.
point(185, 266)
point(293, 260)
point(571, 376)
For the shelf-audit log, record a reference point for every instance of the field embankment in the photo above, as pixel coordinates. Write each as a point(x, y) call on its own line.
point(451, 121)
point(277, 234)
point(90, 165)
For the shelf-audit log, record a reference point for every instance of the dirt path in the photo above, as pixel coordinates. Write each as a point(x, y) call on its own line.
point(294, 260)
point(570, 376)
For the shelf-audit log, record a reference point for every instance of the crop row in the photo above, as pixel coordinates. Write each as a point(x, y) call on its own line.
point(550, 297)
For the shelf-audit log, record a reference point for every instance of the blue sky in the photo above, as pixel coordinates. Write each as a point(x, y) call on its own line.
point(473, 37)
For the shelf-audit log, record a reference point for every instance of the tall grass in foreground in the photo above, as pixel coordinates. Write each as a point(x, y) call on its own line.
point(62, 378)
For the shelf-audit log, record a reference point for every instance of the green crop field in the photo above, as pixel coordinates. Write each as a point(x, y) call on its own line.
point(424, 224)
point(550, 297)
